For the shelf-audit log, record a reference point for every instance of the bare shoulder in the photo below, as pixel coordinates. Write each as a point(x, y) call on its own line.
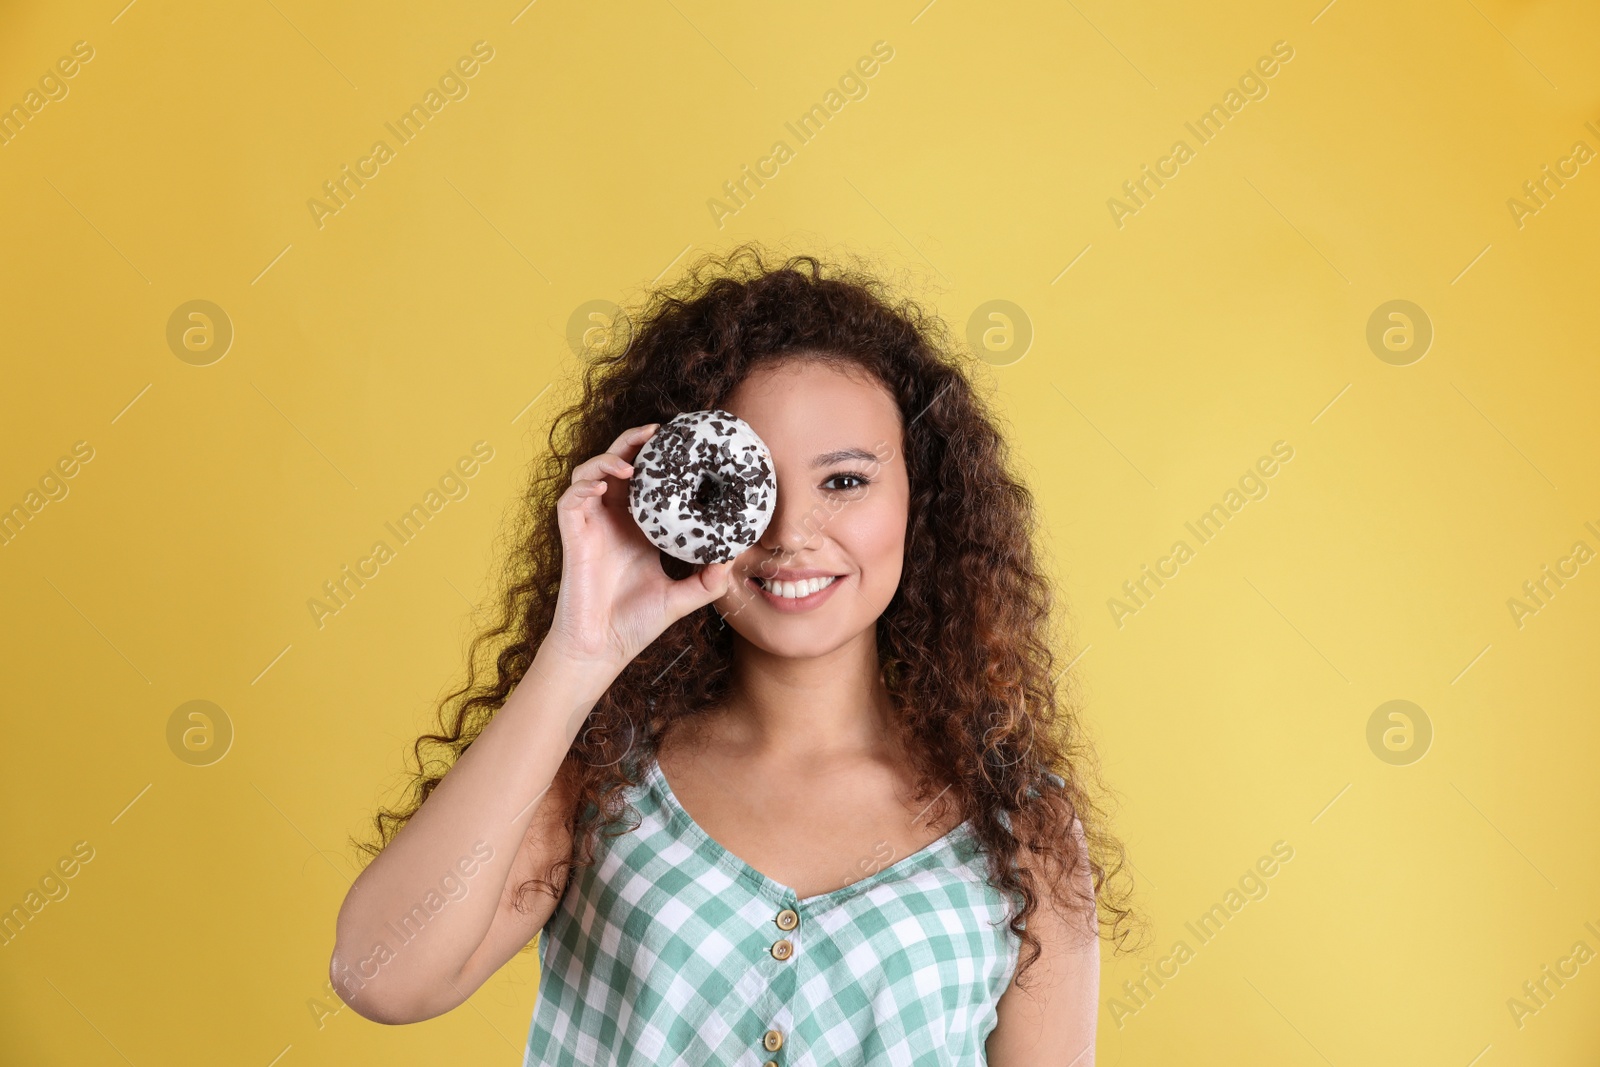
point(1052, 1017)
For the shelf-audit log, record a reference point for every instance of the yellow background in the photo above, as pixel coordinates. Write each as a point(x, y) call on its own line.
point(1229, 313)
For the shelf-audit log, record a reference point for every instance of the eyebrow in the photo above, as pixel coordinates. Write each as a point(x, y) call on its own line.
point(828, 459)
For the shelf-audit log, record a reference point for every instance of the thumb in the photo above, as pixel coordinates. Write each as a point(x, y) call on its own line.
point(717, 578)
point(699, 589)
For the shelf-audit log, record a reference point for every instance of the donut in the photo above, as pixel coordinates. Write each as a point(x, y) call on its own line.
point(703, 487)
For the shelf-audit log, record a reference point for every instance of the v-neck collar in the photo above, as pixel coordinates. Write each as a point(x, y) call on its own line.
point(926, 856)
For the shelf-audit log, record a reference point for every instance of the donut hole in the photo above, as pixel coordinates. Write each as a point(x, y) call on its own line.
point(716, 497)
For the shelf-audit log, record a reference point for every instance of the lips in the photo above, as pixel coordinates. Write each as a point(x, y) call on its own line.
point(789, 592)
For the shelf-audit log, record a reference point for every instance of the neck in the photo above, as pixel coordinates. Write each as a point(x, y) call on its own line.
point(803, 710)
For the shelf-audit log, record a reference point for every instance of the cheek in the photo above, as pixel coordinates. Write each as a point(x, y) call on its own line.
point(873, 533)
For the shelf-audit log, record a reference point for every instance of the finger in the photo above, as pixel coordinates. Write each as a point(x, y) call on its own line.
point(606, 463)
point(622, 451)
point(580, 491)
point(628, 445)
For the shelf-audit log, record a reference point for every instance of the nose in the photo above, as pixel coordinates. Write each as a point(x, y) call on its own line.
point(793, 527)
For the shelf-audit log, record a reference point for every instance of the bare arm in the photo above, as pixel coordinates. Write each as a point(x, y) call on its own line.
point(432, 917)
point(415, 917)
point(516, 923)
point(1052, 1021)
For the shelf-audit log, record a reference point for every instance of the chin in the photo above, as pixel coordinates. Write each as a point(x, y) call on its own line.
point(794, 639)
point(788, 643)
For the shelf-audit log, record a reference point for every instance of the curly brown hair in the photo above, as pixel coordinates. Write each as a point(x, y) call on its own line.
point(966, 644)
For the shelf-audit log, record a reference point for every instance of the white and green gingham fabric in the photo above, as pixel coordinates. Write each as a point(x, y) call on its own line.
point(661, 953)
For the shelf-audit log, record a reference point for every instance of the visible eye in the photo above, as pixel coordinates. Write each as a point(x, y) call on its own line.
point(859, 481)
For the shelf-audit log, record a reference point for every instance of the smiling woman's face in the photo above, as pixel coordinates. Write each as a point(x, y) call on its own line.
point(830, 562)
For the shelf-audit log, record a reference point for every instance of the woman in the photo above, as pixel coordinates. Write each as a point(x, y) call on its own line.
point(818, 805)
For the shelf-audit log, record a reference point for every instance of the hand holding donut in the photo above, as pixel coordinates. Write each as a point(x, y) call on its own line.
point(615, 599)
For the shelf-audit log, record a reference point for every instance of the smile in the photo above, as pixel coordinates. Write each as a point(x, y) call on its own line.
point(795, 590)
point(800, 595)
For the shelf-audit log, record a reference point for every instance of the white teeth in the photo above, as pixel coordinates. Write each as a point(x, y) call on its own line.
point(796, 590)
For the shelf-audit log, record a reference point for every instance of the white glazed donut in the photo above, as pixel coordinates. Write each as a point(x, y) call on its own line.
point(703, 487)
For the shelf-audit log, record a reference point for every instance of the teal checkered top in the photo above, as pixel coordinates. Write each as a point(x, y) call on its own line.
point(670, 950)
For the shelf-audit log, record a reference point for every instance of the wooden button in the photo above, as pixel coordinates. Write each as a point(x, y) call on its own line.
point(782, 949)
point(772, 1041)
point(770, 1063)
point(788, 919)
